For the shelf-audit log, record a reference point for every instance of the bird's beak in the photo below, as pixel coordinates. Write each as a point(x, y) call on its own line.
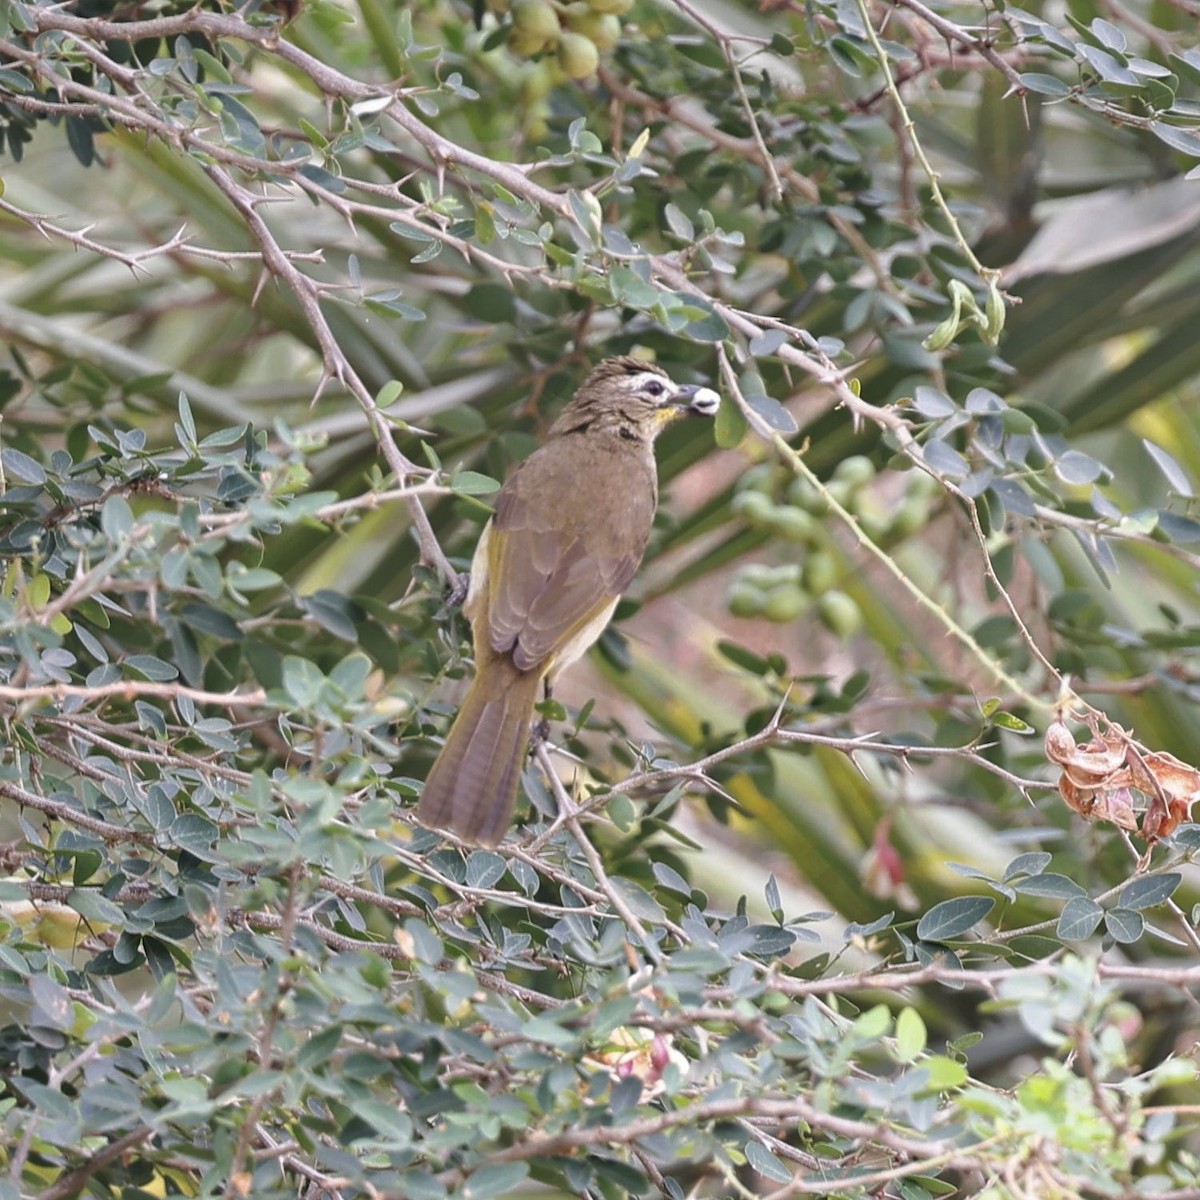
point(698, 401)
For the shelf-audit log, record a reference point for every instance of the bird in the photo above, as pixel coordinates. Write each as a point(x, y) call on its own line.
point(568, 533)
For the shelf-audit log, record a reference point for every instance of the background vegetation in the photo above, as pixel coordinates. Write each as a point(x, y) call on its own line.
point(286, 291)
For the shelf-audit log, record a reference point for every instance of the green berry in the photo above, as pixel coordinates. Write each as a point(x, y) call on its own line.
point(578, 56)
point(784, 602)
point(753, 507)
point(760, 478)
point(857, 471)
point(758, 575)
point(794, 524)
point(842, 491)
point(820, 572)
point(804, 495)
point(745, 600)
point(536, 18)
point(617, 7)
point(840, 613)
point(912, 515)
point(921, 486)
point(875, 525)
point(603, 28)
point(525, 44)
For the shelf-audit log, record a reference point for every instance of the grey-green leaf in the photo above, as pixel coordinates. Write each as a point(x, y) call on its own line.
point(952, 918)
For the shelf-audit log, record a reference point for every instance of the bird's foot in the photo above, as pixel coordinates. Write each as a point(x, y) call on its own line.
point(457, 594)
point(540, 733)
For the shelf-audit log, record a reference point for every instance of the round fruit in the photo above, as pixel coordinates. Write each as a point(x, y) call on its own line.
point(840, 613)
point(820, 572)
point(525, 44)
point(757, 575)
point(857, 470)
point(753, 507)
point(793, 524)
point(842, 492)
point(912, 515)
point(759, 478)
point(536, 18)
point(617, 7)
point(746, 600)
point(871, 519)
point(536, 83)
point(804, 495)
point(784, 603)
point(578, 56)
point(920, 485)
point(605, 31)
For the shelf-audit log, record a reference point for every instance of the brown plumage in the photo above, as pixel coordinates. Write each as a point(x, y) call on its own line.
point(570, 528)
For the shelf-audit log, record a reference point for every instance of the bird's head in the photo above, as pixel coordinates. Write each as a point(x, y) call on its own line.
point(630, 394)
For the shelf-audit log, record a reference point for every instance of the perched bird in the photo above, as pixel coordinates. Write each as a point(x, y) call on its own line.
point(570, 528)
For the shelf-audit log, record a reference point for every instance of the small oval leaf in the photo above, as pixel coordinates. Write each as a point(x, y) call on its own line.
point(951, 918)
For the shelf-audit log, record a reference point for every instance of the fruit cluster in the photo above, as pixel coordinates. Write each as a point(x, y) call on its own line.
point(782, 593)
point(575, 32)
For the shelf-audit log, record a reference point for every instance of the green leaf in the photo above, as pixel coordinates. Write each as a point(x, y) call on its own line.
point(21, 466)
point(319, 1048)
point(730, 427)
point(151, 668)
point(393, 1125)
point(494, 1180)
point(910, 1035)
point(1044, 85)
point(196, 834)
point(932, 403)
point(1006, 720)
point(333, 612)
point(771, 411)
point(1034, 862)
point(1049, 885)
point(472, 483)
point(951, 918)
point(94, 906)
point(669, 878)
point(679, 223)
point(1150, 890)
point(492, 302)
point(116, 518)
point(485, 869)
point(946, 461)
point(302, 681)
point(1079, 918)
point(766, 1163)
point(945, 1074)
point(773, 899)
point(1108, 66)
point(639, 901)
point(1176, 476)
point(1124, 925)
point(873, 1023)
point(204, 618)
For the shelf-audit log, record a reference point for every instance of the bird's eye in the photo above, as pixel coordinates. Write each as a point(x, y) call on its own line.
point(654, 388)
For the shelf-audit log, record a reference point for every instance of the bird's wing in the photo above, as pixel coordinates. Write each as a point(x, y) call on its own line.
point(559, 553)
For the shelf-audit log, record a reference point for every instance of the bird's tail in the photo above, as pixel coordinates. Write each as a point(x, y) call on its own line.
point(471, 788)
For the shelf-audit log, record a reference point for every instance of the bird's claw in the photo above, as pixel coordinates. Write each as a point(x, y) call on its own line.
point(456, 595)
